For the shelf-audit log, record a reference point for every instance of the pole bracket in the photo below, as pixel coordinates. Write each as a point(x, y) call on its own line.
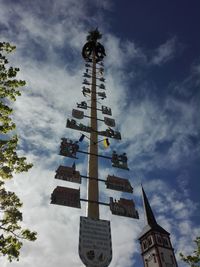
point(96, 202)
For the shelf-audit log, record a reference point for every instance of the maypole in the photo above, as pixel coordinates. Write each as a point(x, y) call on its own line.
point(95, 246)
point(93, 189)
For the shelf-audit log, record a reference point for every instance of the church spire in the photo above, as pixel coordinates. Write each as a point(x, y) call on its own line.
point(150, 218)
point(148, 211)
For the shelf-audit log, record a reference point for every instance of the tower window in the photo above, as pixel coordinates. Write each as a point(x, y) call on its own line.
point(149, 241)
point(159, 239)
point(165, 242)
point(154, 257)
point(162, 256)
point(172, 259)
point(145, 244)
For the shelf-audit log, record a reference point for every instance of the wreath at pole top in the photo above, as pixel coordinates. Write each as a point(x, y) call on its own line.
point(93, 45)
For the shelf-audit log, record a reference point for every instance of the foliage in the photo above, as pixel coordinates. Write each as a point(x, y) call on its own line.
point(194, 259)
point(94, 35)
point(11, 232)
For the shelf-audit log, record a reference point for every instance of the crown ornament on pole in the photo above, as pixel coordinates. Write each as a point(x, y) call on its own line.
point(92, 45)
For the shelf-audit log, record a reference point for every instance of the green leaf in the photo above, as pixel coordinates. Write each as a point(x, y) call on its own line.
point(10, 214)
point(194, 259)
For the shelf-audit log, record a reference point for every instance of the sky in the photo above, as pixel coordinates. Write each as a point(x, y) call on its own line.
point(152, 72)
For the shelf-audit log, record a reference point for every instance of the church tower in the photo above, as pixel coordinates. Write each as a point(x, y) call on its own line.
point(157, 250)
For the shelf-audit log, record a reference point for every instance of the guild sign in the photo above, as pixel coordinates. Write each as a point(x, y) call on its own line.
point(68, 174)
point(83, 105)
point(95, 246)
point(66, 197)
point(119, 184)
point(68, 148)
point(85, 82)
point(110, 122)
point(110, 133)
point(102, 95)
point(86, 75)
point(77, 114)
point(106, 110)
point(119, 161)
point(124, 207)
point(102, 86)
point(80, 127)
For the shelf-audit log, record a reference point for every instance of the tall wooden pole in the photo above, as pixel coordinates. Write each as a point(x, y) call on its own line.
point(93, 187)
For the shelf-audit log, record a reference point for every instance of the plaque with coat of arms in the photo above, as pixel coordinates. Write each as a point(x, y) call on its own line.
point(110, 122)
point(78, 114)
point(95, 246)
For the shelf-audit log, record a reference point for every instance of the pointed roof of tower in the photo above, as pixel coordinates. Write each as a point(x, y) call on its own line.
point(152, 224)
point(148, 211)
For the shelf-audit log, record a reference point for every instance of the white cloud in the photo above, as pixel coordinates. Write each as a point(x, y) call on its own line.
point(151, 124)
point(104, 4)
point(121, 52)
point(164, 52)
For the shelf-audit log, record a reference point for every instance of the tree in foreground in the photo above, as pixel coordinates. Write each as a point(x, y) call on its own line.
point(11, 232)
point(194, 259)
